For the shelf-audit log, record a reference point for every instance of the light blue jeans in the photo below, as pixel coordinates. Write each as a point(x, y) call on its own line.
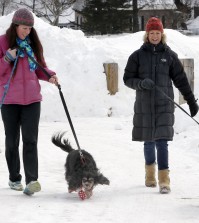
point(161, 146)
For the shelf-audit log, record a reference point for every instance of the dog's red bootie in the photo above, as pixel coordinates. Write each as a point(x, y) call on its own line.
point(82, 195)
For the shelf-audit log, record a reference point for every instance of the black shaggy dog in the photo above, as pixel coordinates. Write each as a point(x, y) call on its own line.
point(80, 176)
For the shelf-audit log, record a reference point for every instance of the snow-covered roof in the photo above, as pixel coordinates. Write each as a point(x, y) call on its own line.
point(156, 4)
point(159, 7)
point(78, 5)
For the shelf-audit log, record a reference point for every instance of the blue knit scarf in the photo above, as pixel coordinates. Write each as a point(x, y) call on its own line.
point(24, 44)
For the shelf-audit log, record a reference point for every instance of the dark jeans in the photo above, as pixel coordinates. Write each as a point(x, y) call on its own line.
point(26, 118)
point(162, 153)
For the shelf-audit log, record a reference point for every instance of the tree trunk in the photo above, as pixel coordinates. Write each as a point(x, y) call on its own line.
point(3, 8)
point(135, 16)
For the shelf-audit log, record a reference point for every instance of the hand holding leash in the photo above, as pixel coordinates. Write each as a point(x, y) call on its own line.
point(53, 80)
point(11, 55)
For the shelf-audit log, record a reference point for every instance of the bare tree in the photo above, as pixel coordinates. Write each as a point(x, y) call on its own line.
point(51, 10)
point(138, 5)
point(135, 16)
point(184, 12)
point(184, 6)
point(4, 4)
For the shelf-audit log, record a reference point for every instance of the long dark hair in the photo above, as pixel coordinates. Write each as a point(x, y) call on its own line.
point(35, 43)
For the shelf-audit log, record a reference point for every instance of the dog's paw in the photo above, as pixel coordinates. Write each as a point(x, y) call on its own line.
point(82, 195)
point(88, 193)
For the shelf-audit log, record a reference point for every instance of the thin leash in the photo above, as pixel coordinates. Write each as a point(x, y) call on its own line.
point(170, 99)
point(7, 85)
point(62, 99)
point(71, 124)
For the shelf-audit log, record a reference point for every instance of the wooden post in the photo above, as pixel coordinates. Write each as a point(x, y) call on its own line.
point(188, 65)
point(111, 71)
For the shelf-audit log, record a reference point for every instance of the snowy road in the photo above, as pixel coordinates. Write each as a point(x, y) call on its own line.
point(126, 200)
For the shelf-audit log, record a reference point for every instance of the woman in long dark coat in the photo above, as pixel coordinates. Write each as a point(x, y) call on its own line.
point(149, 69)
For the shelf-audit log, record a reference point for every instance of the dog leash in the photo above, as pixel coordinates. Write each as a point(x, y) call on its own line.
point(170, 99)
point(71, 124)
point(7, 85)
point(64, 105)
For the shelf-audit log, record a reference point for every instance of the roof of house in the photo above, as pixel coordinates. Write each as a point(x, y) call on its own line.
point(78, 5)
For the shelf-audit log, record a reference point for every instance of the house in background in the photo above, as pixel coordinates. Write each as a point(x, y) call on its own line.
point(165, 11)
point(67, 20)
point(78, 6)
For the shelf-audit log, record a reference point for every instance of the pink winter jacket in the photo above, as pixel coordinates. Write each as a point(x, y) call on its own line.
point(24, 88)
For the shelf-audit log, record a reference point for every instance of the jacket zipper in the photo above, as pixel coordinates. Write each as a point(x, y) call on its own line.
point(153, 98)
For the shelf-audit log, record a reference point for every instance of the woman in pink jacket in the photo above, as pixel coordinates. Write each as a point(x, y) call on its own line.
point(21, 105)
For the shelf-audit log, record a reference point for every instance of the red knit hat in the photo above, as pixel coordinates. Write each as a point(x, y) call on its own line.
point(154, 24)
point(23, 17)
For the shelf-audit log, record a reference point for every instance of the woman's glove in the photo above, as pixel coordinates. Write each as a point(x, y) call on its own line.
point(11, 55)
point(147, 84)
point(193, 107)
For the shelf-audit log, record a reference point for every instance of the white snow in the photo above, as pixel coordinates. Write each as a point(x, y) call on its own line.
point(78, 62)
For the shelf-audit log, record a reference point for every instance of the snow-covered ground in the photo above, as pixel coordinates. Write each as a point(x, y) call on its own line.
point(78, 62)
point(126, 199)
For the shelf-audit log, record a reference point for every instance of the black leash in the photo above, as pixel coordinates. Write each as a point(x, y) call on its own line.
point(64, 105)
point(170, 99)
point(71, 124)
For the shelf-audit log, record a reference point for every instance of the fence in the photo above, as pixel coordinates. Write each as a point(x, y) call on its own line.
point(188, 65)
point(111, 71)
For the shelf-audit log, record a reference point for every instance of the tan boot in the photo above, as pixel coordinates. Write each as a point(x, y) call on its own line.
point(164, 181)
point(150, 180)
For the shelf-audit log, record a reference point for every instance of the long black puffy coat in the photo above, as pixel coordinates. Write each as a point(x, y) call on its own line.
point(153, 112)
